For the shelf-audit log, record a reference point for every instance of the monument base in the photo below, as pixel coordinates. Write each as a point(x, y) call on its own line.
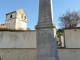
point(46, 48)
point(47, 58)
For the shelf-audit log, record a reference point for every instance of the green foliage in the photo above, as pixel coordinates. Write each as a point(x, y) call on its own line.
point(59, 34)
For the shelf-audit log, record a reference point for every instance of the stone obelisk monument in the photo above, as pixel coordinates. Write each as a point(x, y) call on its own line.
point(46, 45)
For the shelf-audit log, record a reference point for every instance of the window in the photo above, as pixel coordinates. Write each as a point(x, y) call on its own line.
point(25, 17)
point(10, 16)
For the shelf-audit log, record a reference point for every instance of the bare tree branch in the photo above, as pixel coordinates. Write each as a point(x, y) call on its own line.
point(69, 19)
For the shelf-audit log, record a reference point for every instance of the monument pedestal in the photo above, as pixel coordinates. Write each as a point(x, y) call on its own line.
point(46, 47)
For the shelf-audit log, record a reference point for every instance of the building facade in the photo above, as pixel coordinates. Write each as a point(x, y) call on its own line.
point(16, 20)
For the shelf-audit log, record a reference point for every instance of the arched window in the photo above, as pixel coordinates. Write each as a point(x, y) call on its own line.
point(10, 16)
point(25, 17)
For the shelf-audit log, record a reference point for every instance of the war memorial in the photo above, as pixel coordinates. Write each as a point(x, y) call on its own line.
point(46, 47)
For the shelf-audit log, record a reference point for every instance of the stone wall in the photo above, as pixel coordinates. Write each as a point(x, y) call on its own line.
point(72, 38)
point(11, 23)
point(20, 25)
point(18, 54)
point(21, 45)
point(18, 39)
point(69, 54)
point(30, 54)
point(21, 21)
point(18, 45)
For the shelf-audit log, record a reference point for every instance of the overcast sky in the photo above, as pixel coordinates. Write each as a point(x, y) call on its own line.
point(31, 8)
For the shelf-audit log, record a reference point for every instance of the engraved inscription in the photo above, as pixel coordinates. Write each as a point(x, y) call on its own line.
point(44, 42)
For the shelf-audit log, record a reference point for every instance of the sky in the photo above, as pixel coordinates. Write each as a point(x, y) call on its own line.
point(31, 7)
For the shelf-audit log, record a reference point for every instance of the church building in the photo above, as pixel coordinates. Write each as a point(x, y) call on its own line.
point(16, 20)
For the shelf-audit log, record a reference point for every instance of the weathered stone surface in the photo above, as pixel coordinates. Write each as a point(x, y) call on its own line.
point(45, 14)
point(46, 46)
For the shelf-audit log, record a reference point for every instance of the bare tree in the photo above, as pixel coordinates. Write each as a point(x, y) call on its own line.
point(69, 19)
